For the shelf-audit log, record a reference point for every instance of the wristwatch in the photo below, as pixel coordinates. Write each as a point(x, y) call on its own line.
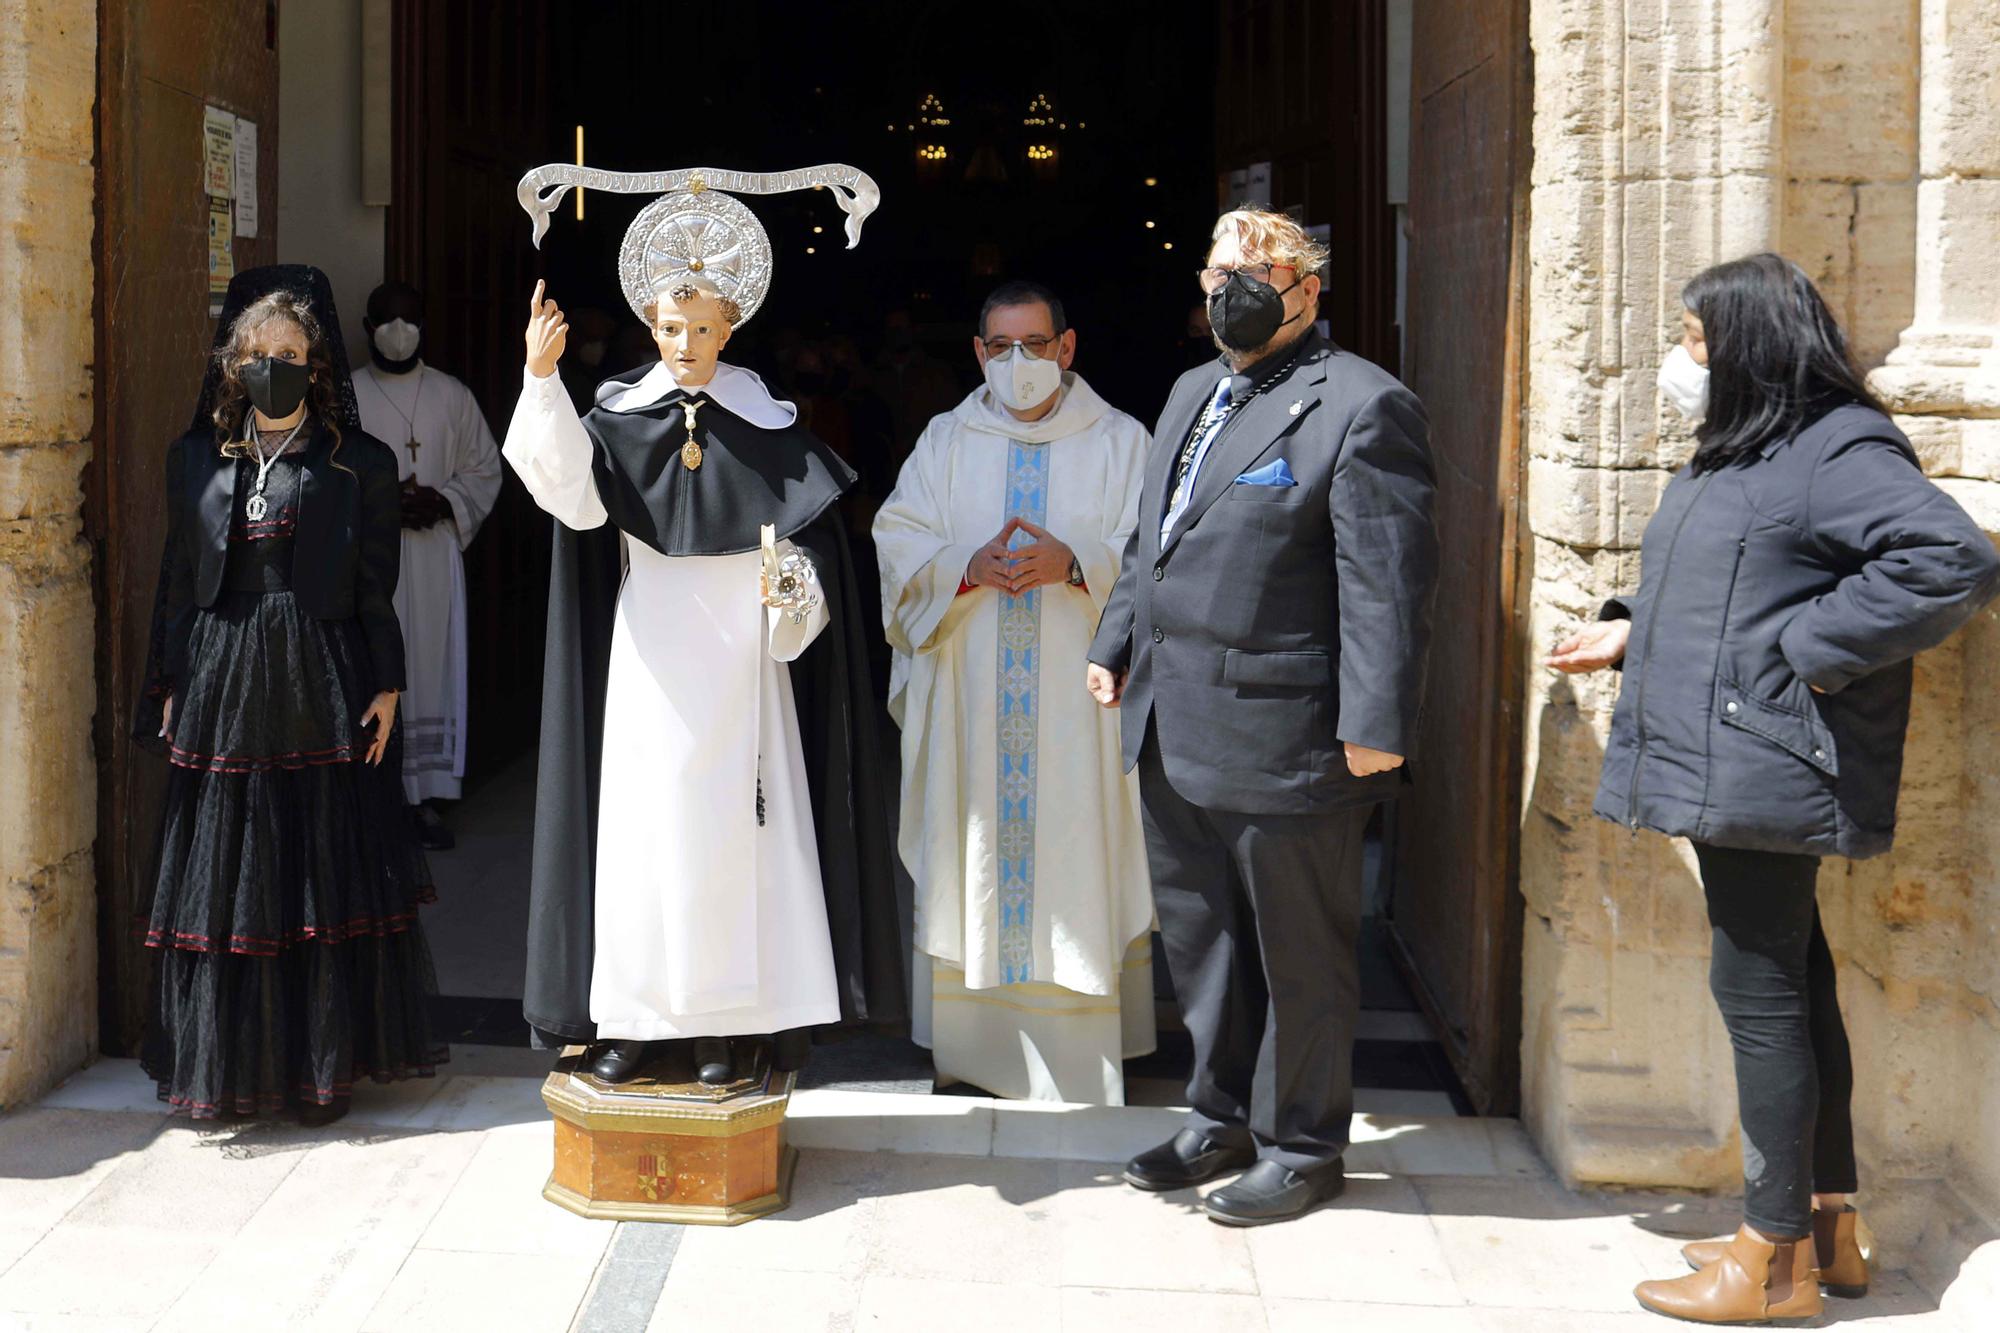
point(1075, 573)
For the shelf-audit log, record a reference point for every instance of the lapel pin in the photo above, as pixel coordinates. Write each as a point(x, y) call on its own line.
point(1298, 406)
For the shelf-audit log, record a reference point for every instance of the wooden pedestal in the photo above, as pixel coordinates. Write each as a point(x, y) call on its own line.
point(666, 1149)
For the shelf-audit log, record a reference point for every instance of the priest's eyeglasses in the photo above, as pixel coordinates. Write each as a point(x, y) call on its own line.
point(1038, 346)
point(1214, 278)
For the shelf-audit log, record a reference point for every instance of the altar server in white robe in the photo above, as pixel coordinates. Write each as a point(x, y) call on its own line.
point(998, 548)
point(450, 470)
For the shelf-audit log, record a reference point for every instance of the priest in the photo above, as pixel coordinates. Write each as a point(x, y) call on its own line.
point(450, 468)
point(1021, 829)
point(711, 849)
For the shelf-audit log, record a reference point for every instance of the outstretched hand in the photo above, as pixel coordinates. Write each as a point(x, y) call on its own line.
point(1592, 648)
point(548, 333)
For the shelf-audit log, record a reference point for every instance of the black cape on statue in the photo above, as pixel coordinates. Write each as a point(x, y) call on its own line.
point(749, 476)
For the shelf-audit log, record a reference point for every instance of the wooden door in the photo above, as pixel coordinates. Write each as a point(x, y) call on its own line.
point(469, 107)
point(1456, 907)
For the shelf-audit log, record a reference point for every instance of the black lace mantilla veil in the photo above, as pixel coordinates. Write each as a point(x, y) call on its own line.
point(246, 288)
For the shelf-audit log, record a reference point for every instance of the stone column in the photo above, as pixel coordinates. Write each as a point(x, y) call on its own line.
point(1923, 990)
point(48, 781)
point(1659, 149)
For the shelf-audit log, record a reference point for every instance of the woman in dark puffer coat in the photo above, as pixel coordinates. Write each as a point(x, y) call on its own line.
point(1794, 568)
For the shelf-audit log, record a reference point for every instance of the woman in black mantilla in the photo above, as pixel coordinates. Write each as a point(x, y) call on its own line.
point(284, 905)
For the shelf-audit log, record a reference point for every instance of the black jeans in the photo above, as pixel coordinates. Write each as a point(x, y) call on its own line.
point(1772, 976)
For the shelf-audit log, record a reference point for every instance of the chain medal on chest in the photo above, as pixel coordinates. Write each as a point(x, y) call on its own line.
point(691, 450)
point(257, 506)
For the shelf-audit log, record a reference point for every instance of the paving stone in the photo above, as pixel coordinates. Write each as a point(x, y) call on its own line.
point(1119, 1311)
point(922, 1305)
point(1530, 1244)
point(792, 1301)
point(194, 1181)
point(445, 1291)
point(965, 1220)
point(1111, 1235)
point(51, 1159)
point(828, 1227)
point(68, 1273)
point(496, 1206)
point(1371, 1244)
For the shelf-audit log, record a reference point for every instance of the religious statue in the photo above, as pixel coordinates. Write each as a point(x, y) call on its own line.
point(711, 859)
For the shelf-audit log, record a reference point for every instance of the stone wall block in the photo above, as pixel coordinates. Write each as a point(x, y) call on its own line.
point(1960, 281)
point(48, 81)
point(47, 697)
point(1882, 287)
point(1961, 43)
point(1850, 111)
point(45, 294)
point(48, 977)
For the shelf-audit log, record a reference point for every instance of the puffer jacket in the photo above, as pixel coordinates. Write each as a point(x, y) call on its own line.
point(1825, 560)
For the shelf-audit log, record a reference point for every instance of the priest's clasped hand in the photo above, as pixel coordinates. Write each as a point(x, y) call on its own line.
point(423, 506)
point(1016, 571)
point(548, 334)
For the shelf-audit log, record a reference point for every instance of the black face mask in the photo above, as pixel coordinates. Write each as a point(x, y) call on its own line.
point(1246, 313)
point(276, 388)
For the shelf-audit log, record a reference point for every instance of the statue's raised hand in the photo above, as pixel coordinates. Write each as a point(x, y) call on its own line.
point(548, 334)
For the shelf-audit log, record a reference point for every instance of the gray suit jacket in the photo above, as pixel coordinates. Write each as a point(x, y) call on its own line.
point(1279, 622)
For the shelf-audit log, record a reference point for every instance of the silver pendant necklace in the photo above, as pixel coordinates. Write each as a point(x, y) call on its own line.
point(257, 506)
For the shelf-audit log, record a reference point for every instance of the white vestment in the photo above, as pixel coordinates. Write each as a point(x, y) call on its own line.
point(456, 457)
point(709, 922)
point(1033, 903)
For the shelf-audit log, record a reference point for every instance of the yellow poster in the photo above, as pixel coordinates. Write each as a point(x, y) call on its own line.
point(221, 254)
point(218, 139)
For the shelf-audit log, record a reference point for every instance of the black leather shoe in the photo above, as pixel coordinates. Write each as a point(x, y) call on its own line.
point(712, 1064)
point(621, 1061)
point(1189, 1158)
point(1268, 1192)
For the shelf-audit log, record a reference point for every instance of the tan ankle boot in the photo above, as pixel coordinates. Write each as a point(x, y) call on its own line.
point(1754, 1281)
point(1843, 1268)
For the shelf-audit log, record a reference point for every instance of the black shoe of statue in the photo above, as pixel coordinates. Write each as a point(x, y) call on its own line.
point(1270, 1192)
point(712, 1064)
point(621, 1061)
point(1189, 1158)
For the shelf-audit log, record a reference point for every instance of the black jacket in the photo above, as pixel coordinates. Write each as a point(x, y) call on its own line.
point(345, 555)
point(1280, 621)
point(1826, 560)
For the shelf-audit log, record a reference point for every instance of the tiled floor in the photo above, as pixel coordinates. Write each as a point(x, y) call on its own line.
point(422, 1211)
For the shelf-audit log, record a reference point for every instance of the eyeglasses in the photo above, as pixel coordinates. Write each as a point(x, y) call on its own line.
point(1038, 346)
point(1214, 279)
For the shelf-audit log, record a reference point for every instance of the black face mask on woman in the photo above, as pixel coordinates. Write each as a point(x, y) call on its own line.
point(1246, 313)
point(276, 388)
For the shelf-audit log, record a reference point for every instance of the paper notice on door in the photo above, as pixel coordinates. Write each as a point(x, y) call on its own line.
point(246, 177)
point(218, 137)
point(221, 254)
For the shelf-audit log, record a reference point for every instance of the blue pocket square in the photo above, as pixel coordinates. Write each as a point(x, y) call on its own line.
point(1271, 474)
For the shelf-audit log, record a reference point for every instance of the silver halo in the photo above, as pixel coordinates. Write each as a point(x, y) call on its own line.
point(710, 234)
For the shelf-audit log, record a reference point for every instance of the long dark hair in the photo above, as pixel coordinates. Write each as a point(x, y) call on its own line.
point(232, 400)
point(1777, 360)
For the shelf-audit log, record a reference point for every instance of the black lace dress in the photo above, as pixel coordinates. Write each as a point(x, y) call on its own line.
point(284, 909)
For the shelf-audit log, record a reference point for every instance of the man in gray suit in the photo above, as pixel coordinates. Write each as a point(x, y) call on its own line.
point(1266, 641)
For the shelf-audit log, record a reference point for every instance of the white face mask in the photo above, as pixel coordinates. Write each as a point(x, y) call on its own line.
point(398, 339)
point(1684, 382)
point(1021, 381)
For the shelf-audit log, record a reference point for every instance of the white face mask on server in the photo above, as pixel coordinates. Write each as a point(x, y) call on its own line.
point(398, 339)
point(1684, 383)
point(1021, 380)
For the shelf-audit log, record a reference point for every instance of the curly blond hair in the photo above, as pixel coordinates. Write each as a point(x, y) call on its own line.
point(1274, 238)
point(686, 286)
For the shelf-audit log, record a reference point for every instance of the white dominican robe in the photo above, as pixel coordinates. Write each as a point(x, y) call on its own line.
point(1034, 908)
point(457, 457)
point(698, 707)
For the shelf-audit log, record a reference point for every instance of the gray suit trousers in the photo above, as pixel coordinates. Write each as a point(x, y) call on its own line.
point(1261, 916)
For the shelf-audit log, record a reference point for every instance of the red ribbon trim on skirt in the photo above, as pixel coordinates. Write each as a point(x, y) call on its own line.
point(241, 764)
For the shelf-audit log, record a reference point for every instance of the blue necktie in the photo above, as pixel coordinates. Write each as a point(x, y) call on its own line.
point(1206, 428)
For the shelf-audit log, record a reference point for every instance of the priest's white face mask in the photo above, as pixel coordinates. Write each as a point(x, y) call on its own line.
point(691, 326)
point(398, 340)
point(1022, 355)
